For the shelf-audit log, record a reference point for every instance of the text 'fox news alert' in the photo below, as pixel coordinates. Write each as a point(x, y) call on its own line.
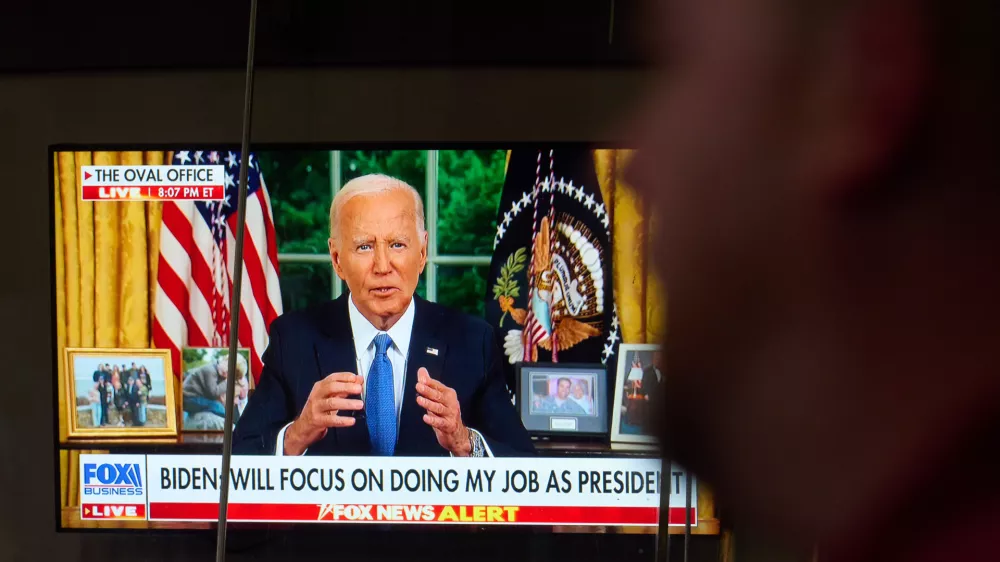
point(154, 183)
point(113, 487)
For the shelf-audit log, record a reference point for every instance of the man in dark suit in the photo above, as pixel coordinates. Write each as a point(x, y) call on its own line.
point(652, 381)
point(380, 371)
point(652, 376)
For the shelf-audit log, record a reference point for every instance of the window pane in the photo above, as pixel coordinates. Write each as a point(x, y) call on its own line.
point(304, 284)
point(422, 284)
point(407, 165)
point(463, 288)
point(469, 186)
point(299, 185)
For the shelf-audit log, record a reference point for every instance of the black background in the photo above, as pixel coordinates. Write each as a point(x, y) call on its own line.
point(42, 36)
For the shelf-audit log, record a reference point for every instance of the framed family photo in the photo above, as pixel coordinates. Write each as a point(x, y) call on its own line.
point(561, 399)
point(205, 372)
point(637, 391)
point(119, 393)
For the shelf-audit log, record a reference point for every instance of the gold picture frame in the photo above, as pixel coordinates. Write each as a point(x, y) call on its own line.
point(186, 366)
point(161, 363)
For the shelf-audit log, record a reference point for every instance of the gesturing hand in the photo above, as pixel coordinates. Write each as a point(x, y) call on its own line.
point(327, 398)
point(443, 414)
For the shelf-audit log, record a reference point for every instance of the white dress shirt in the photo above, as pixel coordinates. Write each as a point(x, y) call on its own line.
point(364, 333)
point(585, 403)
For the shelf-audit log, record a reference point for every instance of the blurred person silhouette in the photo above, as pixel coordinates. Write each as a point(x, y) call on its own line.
point(822, 178)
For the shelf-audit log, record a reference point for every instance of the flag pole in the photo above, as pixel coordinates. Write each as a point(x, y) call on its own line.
point(234, 307)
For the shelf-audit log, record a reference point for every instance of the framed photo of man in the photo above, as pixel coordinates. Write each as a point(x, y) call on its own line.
point(119, 393)
point(562, 399)
point(205, 371)
point(637, 393)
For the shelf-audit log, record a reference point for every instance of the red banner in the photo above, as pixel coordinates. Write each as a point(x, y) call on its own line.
point(396, 513)
point(152, 193)
point(113, 511)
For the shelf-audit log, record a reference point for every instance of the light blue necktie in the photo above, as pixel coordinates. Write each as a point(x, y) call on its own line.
point(380, 401)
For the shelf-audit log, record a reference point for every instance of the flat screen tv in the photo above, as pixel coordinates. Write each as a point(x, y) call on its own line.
point(390, 294)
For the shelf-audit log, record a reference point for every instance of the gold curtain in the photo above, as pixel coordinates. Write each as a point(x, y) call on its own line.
point(638, 295)
point(106, 256)
point(641, 301)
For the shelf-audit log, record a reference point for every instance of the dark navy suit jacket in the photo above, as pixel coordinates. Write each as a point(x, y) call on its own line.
point(307, 345)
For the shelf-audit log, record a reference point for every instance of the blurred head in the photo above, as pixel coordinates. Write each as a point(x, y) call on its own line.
point(378, 245)
point(580, 388)
point(658, 359)
point(817, 175)
point(222, 366)
point(562, 388)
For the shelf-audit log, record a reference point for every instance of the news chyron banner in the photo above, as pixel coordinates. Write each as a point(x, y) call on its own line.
point(153, 183)
point(484, 491)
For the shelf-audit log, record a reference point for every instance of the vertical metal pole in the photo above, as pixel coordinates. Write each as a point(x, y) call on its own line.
point(662, 552)
point(336, 180)
point(687, 513)
point(234, 307)
point(611, 24)
point(431, 214)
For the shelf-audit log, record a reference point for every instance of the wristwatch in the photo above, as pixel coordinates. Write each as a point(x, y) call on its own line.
point(476, 444)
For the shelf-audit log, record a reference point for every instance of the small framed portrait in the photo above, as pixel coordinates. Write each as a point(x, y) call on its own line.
point(638, 388)
point(119, 393)
point(562, 398)
point(205, 372)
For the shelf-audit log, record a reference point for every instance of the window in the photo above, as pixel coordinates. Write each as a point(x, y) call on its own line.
point(460, 188)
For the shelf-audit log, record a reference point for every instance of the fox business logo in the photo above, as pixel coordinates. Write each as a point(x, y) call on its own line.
point(112, 479)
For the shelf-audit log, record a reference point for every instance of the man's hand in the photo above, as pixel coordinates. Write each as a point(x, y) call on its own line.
point(443, 414)
point(327, 398)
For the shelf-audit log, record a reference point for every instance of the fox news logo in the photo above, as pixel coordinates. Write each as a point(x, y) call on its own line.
point(112, 479)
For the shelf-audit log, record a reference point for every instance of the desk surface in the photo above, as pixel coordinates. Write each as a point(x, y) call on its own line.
point(547, 448)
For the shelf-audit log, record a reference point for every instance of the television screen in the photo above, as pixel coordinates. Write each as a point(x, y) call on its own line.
point(390, 295)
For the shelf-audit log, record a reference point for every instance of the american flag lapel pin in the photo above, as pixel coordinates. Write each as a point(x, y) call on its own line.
point(432, 350)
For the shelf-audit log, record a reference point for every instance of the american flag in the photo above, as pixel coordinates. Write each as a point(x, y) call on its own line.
point(534, 334)
point(195, 272)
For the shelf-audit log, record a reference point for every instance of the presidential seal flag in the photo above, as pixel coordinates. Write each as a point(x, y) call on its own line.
point(551, 288)
point(195, 271)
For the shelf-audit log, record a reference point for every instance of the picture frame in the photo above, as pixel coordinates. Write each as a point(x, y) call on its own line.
point(581, 413)
point(206, 418)
point(630, 409)
point(119, 412)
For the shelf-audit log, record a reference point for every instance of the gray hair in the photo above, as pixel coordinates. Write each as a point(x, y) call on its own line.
point(241, 364)
point(372, 184)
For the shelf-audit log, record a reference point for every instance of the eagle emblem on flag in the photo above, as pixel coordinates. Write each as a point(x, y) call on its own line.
point(552, 289)
point(567, 304)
